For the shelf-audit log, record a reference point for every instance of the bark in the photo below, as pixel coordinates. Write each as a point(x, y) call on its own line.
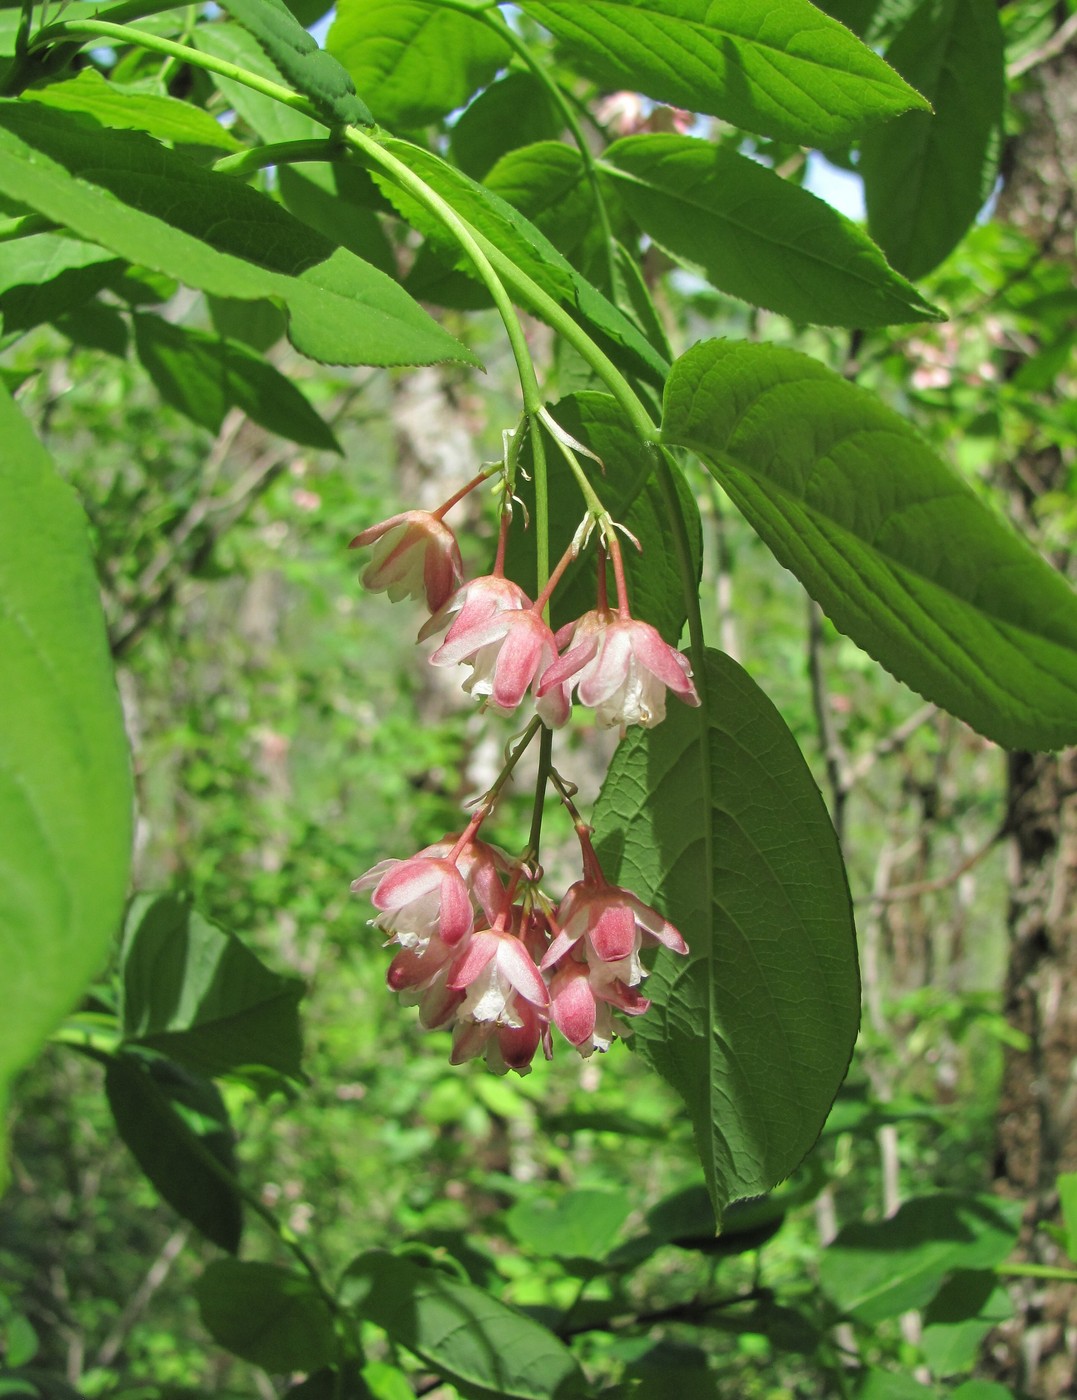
point(1037, 1124)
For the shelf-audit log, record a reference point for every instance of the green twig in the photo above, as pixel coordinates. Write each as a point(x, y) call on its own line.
point(141, 38)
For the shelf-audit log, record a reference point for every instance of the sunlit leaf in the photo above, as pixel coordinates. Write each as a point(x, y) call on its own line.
point(787, 71)
point(65, 779)
point(756, 236)
point(897, 549)
point(714, 818)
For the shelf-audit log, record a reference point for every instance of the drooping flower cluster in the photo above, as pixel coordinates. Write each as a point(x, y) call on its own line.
point(498, 970)
point(480, 949)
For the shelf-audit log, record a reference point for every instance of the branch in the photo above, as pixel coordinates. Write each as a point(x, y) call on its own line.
point(834, 755)
point(1048, 50)
point(943, 882)
point(137, 1303)
point(891, 743)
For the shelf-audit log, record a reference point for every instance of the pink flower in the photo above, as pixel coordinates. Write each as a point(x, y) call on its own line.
point(421, 976)
point(613, 925)
point(582, 1007)
point(504, 1001)
point(430, 895)
point(622, 669)
point(506, 643)
point(415, 555)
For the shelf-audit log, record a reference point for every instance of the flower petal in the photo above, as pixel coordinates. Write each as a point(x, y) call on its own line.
point(572, 1004)
point(613, 932)
point(481, 948)
point(518, 966)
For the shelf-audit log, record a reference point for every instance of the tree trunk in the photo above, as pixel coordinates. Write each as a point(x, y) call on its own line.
point(1036, 1354)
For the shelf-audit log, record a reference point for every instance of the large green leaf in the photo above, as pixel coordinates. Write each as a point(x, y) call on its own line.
point(757, 236)
point(306, 67)
point(926, 177)
point(783, 70)
point(896, 548)
point(714, 818)
point(268, 1315)
point(478, 1344)
point(65, 779)
point(167, 118)
point(176, 1125)
point(880, 1270)
point(198, 994)
point(157, 209)
point(413, 61)
point(206, 375)
point(633, 497)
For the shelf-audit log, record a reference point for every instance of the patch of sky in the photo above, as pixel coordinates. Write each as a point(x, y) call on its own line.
point(842, 189)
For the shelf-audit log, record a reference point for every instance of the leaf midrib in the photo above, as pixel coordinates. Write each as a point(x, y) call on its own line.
point(706, 451)
point(727, 218)
point(705, 31)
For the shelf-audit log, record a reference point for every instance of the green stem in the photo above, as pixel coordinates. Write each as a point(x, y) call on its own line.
point(471, 242)
point(528, 290)
point(1036, 1271)
point(542, 512)
point(591, 497)
point(515, 754)
point(278, 153)
point(495, 20)
point(545, 765)
point(100, 29)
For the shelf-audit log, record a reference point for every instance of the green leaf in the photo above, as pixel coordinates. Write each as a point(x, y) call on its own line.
point(515, 111)
point(926, 177)
point(259, 324)
point(967, 1306)
point(758, 237)
point(897, 549)
point(267, 117)
point(306, 67)
point(167, 118)
point(331, 196)
point(97, 327)
point(159, 210)
point(547, 183)
point(473, 1341)
point(891, 1385)
point(526, 245)
point(633, 497)
point(172, 1121)
point(47, 275)
point(579, 1225)
point(786, 71)
point(981, 1390)
point(65, 778)
point(880, 1270)
point(1067, 1196)
point(413, 61)
point(713, 818)
point(270, 1316)
point(205, 375)
point(198, 994)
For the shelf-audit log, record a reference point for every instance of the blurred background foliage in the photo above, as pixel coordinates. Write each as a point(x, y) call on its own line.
point(287, 736)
